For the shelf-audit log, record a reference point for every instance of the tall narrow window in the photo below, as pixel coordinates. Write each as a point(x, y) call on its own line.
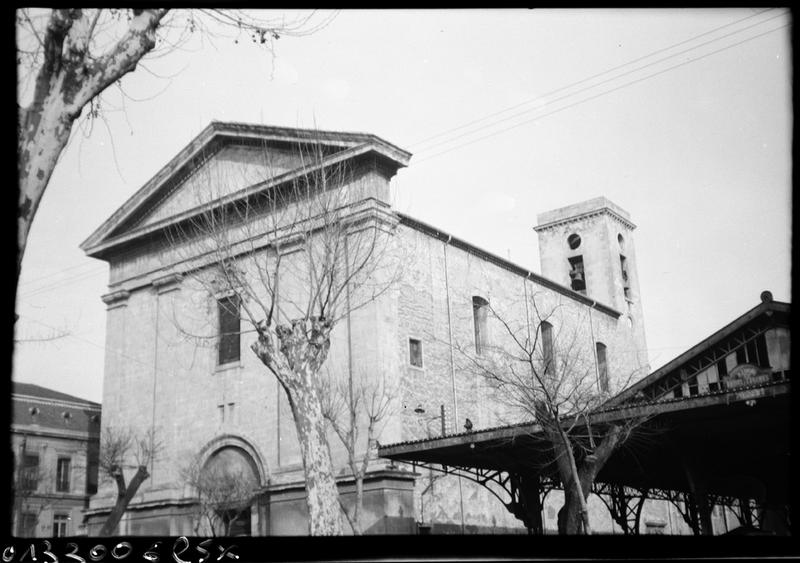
point(63, 475)
point(29, 522)
point(602, 366)
point(577, 275)
point(547, 347)
point(30, 472)
point(480, 313)
point(626, 284)
point(228, 329)
point(91, 477)
point(415, 352)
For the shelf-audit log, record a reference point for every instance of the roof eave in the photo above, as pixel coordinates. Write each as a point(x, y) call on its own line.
point(234, 130)
point(101, 248)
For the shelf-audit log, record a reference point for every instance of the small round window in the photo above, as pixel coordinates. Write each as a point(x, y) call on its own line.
point(574, 241)
point(621, 241)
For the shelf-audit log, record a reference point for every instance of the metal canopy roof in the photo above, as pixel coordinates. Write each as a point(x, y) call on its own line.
point(728, 435)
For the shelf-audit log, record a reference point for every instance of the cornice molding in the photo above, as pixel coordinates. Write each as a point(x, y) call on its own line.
point(116, 299)
point(595, 212)
point(167, 283)
point(353, 145)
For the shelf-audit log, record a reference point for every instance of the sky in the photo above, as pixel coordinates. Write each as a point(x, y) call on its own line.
point(682, 117)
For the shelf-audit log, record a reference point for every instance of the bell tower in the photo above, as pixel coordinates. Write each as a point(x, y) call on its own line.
point(589, 248)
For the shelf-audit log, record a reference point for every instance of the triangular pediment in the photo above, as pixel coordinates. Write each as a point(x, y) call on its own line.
point(232, 168)
point(225, 160)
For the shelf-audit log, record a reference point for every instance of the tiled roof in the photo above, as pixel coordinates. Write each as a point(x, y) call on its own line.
point(46, 409)
point(19, 388)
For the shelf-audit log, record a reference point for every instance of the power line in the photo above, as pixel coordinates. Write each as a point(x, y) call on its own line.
point(57, 272)
point(600, 94)
point(531, 100)
point(63, 283)
point(593, 86)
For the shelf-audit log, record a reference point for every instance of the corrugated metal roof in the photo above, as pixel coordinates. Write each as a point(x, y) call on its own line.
point(620, 407)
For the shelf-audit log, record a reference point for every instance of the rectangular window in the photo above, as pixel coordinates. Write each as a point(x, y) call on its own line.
point(752, 354)
point(693, 389)
point(415, 352)
point(577, 275)
point(547, 347)
point(29, 476)
point(480, 313)
point(91, 477)
point(761, 349)
point(28, 525)
point(626, 284)
point(229, 329)
point(60, 525)
point(63, 475)
point(602, 366)
point(722, 369)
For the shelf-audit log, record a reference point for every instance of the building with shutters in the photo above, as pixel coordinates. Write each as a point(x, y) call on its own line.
point(55, 439)
point(217, 401)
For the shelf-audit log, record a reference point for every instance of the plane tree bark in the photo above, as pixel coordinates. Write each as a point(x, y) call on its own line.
point(68, 78)
point(67, 58)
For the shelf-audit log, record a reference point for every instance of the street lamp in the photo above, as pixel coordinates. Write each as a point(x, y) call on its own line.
point(421, 410)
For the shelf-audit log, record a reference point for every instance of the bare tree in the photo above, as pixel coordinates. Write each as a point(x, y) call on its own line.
point(28, 481)
point(292, 259)
point(122, 449)
point(67, 58)
point(545, 369)
point(357, 408)
point(224, 495)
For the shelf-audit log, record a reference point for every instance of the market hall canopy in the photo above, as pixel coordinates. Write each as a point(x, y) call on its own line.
point(732, 435)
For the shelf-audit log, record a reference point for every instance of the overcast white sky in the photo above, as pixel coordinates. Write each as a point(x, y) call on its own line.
point(682, 117)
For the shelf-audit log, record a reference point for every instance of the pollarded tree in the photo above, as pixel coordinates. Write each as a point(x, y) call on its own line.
point(544, 367)
point(357, 408)
point(121, 449)
point(290, 262)
point(67, 58)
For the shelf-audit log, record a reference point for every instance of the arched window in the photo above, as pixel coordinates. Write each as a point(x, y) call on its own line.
point(548, 360)
point(480, 314)
point(602, 366)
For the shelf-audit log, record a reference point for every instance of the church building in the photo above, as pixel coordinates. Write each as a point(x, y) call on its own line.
point(426, 323)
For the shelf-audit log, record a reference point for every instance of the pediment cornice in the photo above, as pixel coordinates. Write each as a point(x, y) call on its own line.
point(202, 148)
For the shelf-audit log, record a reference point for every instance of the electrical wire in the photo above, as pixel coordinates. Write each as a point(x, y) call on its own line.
point(599, 95)
point(596, 75)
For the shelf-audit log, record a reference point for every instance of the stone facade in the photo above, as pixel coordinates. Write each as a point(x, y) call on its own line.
point(162, 373)
point(55, 439)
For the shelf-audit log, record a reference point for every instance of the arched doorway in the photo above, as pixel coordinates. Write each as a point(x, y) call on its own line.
point(227, 487)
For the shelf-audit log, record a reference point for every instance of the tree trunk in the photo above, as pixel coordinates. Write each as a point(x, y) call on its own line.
point(322, 495)
point(294, 354)
point(66, 82)
point(573, 518)
point(124, 497)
